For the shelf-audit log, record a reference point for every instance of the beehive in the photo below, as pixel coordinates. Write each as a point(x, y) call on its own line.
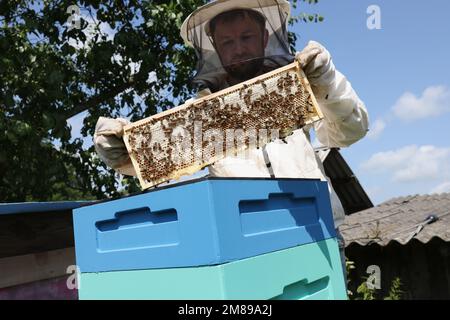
point(183, 140)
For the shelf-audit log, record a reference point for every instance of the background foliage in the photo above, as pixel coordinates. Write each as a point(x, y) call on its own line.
point(126, 59)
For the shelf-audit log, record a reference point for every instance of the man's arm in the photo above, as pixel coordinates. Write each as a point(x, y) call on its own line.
point(346, 119)
point(108, 141)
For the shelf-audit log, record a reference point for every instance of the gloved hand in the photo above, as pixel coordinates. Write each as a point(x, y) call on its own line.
point(109, 144)
point(316, 62)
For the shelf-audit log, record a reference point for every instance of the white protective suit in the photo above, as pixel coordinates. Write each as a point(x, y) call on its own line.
point(345, 122)
point(346, 118)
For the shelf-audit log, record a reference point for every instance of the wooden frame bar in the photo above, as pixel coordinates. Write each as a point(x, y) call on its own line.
point(271, 92)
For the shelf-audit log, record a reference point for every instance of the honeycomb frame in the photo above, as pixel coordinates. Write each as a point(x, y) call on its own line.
point(278, 100)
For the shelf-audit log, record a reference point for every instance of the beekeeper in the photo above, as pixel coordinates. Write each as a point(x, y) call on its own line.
point(236, 40)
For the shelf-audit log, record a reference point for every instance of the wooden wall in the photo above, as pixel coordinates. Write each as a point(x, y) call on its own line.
point(424, 269)
point(35, 251)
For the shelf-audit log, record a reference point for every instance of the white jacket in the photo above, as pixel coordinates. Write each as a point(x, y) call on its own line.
point(345, 122)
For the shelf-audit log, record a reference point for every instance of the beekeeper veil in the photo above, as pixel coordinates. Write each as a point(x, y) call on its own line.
point(214, 70)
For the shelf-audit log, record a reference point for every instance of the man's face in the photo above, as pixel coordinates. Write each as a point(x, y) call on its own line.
point(238, 40)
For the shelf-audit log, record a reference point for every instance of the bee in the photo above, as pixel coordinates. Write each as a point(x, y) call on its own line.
point(263, 84)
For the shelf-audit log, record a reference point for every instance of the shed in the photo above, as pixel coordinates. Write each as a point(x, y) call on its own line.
point(36, 249)
point(406, 237)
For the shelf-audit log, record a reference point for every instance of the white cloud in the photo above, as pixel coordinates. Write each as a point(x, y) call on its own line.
point(411, 163)
point(435, 100)
point(376, 129)
point(374, 191)
point(441, 188)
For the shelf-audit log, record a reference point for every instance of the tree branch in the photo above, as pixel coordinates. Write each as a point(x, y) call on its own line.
point(98, 99)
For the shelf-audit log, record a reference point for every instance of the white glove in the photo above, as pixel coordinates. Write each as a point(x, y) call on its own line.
point(316, 62)
point(109, 144)
point(346, 116)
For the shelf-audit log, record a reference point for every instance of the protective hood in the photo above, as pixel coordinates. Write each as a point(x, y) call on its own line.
point(195, 31)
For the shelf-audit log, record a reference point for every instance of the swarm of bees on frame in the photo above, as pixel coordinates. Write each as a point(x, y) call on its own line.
point(165, 145)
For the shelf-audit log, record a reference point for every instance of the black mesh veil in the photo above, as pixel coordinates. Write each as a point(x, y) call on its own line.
point(210, 72)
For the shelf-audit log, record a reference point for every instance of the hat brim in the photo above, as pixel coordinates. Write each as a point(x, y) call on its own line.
point(212, 9)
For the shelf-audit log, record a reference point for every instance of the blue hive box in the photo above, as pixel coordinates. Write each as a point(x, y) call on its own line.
point(202, 222)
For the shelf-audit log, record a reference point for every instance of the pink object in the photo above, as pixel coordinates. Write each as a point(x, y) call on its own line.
point(50, 289)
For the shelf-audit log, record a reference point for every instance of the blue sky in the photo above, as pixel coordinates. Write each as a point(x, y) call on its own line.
point(401, 72)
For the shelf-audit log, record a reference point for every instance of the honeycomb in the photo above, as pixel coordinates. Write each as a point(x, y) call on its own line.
point(185, 139)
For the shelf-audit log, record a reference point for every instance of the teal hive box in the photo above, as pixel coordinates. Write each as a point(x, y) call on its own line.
point(308, 272)
point(208, 221)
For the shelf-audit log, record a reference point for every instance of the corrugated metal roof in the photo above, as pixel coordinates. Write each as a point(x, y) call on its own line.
point(24, 207)
point(347, 187)
point(401, 219)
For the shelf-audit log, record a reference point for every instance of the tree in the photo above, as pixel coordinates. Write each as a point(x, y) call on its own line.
point(53, 67)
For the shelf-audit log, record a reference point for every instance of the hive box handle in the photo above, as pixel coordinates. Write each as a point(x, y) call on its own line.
point(302, 289)
point(137, 217)
point(280, 211)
